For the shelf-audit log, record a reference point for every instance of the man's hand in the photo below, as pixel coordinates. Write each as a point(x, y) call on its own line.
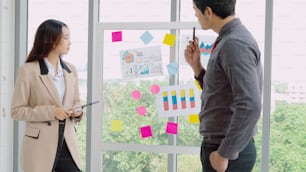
point(193, 56)
point(218, 162)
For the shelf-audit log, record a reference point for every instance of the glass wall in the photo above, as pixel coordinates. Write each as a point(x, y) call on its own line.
point(288, 124)
point(134, 11)
point(75, 14)
point(128, 101)
point(130, 112)
point(7, 81)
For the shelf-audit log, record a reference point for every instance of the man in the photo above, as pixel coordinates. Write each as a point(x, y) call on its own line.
point(232, 89)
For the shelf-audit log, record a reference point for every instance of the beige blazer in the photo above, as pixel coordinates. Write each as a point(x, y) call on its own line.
point(34, 100)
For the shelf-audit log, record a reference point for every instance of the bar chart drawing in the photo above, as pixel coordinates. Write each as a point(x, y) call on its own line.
point(178, 100)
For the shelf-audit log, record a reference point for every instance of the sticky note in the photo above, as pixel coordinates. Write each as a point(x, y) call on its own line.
point(197, 85)
point(116, 125)
point(169, 39)
point(117, 36)
point(146, 37)
point(172, 68)
point(194, 119)
point(136, 94)
point(171, 128)
point(146, 131)
point(155, 89)
point(141, 110)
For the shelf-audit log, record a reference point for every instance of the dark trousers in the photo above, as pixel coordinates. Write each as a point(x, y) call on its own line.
point(65, 162)
point(244, 163)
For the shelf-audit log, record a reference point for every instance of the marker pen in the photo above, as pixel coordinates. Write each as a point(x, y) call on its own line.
point(193, 34)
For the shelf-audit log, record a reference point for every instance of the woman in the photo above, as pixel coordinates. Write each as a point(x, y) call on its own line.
point(46, 90)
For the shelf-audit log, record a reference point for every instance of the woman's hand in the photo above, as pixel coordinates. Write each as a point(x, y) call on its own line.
point(61, 114)
point(75, 112)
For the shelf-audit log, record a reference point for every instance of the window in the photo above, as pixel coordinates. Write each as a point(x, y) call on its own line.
point(288, 125)
point(134, 11)
point(123, 147)
point(76, 20)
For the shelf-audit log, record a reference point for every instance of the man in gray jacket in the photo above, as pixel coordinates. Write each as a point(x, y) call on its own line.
point(232, 89)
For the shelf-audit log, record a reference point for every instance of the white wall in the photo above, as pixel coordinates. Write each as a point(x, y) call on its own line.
point(6, 82)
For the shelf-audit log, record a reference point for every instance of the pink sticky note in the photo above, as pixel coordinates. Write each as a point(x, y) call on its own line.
point(171, 128)
point(141, 110)
point(136, 94)
point(146, 131)
point(117, 36)
point(155, 89)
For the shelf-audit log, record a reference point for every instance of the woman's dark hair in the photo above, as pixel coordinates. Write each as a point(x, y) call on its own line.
point(47, 36)
point(222, 8)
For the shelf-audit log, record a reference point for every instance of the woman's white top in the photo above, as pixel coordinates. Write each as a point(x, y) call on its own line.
point(58, 79)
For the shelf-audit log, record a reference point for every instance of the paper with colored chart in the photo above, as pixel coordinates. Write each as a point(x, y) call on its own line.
point(141, 62)
point(205, 45)
point(178, 100)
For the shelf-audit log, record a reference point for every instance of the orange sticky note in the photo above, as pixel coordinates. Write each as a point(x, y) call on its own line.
point(116, 125)
point(169, 39)
point(194, 119)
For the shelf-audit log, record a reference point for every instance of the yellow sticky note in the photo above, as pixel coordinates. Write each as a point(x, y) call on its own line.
point(169, 39)
point(116, 125)
point(194, 119)
point(197, 85)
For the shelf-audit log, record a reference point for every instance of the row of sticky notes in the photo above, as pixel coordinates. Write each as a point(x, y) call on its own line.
point(146, 131)
point(136, 95)
point(146, 37)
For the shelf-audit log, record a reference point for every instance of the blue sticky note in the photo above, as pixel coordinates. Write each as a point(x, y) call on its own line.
point(172, 68)
point(146, 37)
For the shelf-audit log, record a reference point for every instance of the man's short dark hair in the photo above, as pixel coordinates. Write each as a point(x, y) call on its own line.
point(221, 8)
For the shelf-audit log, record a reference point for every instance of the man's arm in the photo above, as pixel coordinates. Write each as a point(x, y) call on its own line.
point(241, 66)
